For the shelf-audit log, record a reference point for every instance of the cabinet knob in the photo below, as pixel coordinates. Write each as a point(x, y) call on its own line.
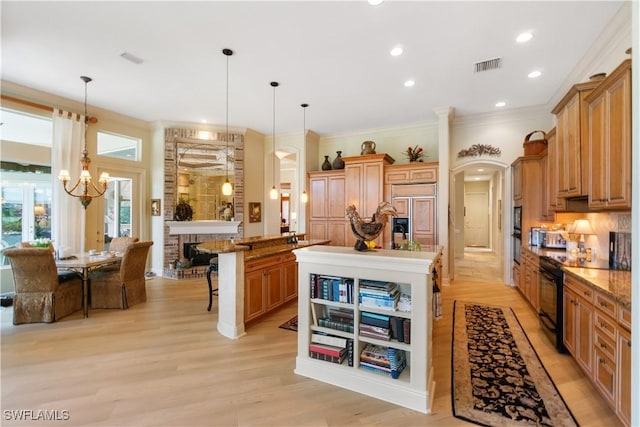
point(603, 345)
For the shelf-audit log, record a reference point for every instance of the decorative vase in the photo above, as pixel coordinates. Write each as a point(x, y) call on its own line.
point(338, 163)
point(368, 147)
point(326, 165)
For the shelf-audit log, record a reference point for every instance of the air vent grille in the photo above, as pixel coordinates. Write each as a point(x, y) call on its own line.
point(489, 64)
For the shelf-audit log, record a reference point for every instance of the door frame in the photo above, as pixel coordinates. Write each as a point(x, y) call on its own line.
point(504, 218)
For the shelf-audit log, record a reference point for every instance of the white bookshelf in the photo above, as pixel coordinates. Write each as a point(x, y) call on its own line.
point(411, 271)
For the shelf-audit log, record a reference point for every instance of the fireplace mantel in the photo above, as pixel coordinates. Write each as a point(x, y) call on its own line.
point(203, 227)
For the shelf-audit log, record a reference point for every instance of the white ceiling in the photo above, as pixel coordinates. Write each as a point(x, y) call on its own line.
point(333, 55)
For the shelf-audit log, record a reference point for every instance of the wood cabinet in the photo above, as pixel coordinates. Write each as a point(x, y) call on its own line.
point(411, 173)
point(550, 182)
point(364, 185)
point(516, 275)
point(623, 400)
point(327, 208)
point(609, 141)
point(578, 317)
point(529, 280)
point(269, 282)
point(597, 333)
point(527, 191)
point(571, 156)
point(290, 276)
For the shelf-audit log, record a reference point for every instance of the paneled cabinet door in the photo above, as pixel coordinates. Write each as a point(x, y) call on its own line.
point(423, 220)
point(254, 301)
point(318, 194)
point(290, 278)
point(516, 173)
point(570, 327)
point(274, 286)
point(610, 141)
point(623, 402)
point(584, 339)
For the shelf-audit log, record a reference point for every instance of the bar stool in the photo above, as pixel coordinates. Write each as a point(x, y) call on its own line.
point(213, 267)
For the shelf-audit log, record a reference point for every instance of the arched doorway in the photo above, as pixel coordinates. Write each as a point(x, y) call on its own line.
point(480, 221)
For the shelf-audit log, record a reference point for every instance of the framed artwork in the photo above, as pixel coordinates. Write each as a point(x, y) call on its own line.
point(156, 207)
point(255, 212)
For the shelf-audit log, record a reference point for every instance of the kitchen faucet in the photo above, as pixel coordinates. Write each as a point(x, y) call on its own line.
point(393, 235)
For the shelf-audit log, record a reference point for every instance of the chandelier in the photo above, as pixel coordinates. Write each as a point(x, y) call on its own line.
point(84, 181)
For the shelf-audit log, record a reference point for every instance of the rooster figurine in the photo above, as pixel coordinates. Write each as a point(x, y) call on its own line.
point(369, 229)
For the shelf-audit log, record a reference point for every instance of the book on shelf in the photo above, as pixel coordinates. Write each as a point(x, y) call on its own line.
point(375, 332)
point(397, 328)
point(331, 288)
point(329, 340)
point(349, 351)
point(374, 319)
point(333, 359)
point(382, 303)
point(406, 325)
point(326, 322)
point(328, 349)
point(383, 360)
point(386, 291)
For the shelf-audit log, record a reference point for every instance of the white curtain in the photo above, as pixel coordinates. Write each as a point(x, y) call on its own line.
point(68, 216)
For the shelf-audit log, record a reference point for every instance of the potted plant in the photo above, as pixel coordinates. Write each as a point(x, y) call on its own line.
point(184, 211)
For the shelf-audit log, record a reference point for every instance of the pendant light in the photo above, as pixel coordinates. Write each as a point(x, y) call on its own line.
point(227, 188)
point(304, 198)
point(84, 180)
point(273, 194)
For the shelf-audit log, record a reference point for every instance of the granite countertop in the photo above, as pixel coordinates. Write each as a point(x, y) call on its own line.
point(262, 239)
point(616, 283)
point(226, 246)
point(279, 249)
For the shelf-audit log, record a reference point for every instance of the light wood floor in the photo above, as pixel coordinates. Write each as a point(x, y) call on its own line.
point(162, 363)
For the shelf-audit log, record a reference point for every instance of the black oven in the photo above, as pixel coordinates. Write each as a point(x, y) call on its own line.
point(517, 233)
point(551, 301)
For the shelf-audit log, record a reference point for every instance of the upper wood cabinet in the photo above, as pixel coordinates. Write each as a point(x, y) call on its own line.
point(571, 156)
point(327, 207)
point(609, 141)
point(554, 203)
point(364, 185)
point(527, 191)
point(411, 173)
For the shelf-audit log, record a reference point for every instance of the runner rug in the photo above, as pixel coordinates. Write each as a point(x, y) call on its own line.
point(291, 324)
point(497, 377)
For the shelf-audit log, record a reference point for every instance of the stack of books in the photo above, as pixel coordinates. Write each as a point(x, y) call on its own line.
point(331, 288)
point(384, 327)
point(330, 348)
point(381, 295)
point(339, 319)
point(383, 360)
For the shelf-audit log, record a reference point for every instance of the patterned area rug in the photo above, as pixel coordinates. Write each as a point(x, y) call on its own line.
point(291, 324)
point(497, 377)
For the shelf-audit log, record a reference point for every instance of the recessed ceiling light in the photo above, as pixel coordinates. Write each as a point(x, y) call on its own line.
point(396, 51)
point(203, 121)
point(534, 74)
point(524, 37)
point(409, 83)
point(477, 178)
point(501, 104)
point(375, 2)
point(480, 170)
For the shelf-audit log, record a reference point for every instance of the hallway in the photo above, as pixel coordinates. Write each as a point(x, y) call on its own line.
point(479, 265)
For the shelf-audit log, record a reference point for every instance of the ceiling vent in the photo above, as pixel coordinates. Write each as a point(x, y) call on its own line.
point(489, 64)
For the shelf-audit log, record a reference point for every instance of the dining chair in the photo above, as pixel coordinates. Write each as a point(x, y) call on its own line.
point(119, 244)
point(124, 287)
point(40, 295)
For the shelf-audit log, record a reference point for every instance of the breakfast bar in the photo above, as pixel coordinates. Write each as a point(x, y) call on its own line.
point(254, 276)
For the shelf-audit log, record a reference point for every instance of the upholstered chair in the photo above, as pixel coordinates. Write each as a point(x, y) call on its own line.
point(124, 287)
point(119, 244)
point(40, 295)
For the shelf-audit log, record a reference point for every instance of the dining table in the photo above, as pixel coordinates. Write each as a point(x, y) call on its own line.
point(83, 264)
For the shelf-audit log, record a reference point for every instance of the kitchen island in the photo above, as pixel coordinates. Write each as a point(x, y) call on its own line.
point(255, 276)
point(340, 317)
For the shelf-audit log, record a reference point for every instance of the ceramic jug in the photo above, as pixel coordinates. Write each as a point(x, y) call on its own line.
point(368, 147)
point(338, 163)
